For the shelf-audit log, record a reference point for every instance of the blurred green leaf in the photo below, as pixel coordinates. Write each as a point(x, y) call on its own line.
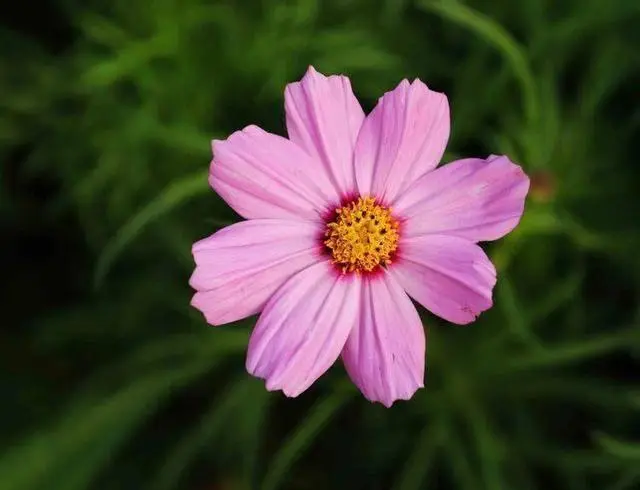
point(458, 461)
point(627, 481)
point(495, 35)
point(618, 448)
point(422, 458)
point(303, 437)
point(518, 322)
point(177, 462)
point(173, 196)
point(70, 454)
point(576, 352)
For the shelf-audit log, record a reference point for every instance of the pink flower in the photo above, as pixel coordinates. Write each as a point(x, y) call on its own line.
point(346, 220)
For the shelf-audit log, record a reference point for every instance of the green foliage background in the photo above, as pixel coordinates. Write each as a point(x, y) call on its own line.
point(111, 381)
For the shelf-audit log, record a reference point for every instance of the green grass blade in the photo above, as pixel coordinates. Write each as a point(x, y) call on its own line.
point(303, 437)
point(518, 322)
point(629, 480)
point(494, 34)
point(214, 420)
point(173, 196)
point(575, 352)
point(459, 464)
point(616, 447)
point(69, 447)
point(422, 458)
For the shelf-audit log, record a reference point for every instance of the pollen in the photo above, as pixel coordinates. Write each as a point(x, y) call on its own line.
point(363, 236)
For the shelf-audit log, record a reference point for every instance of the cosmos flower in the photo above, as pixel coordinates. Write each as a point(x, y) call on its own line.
point(345, 221)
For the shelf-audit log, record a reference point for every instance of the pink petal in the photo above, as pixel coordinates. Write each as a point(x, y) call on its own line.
point(241, 266)
point(449, 276)
point(262, 175)
point(385, 353)
point(303, 328)
point(473, 198)
point(404, 137)
point(323, 118)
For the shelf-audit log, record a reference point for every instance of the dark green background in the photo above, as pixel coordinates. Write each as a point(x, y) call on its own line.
point(109, 380)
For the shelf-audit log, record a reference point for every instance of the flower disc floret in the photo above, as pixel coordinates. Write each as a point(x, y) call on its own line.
point(363, 236)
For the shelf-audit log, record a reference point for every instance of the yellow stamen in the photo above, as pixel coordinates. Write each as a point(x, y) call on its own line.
point(363, 236)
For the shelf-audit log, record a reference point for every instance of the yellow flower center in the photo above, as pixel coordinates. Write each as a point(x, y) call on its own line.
point(363, 236)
